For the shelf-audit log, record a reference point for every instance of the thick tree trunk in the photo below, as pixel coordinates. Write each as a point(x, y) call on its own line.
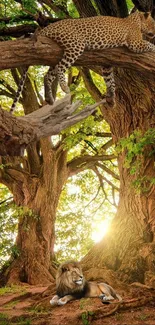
point(40, 195)
point(32, 264)
point(129, 247)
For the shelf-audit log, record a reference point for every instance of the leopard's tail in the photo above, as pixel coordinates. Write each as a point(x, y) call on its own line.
point(19, 90)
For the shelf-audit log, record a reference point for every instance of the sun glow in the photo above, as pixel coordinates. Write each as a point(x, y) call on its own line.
point(100, 230)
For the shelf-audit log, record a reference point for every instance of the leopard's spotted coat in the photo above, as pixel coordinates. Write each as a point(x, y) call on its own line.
point(99, 32)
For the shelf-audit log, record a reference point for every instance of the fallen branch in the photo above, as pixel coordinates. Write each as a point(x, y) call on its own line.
point(17, 132)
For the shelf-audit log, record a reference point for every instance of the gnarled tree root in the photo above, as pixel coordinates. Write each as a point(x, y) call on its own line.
point(132, 303)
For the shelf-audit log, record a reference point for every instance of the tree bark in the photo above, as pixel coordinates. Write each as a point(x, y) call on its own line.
point(129, 247)
point(39, 195)
point(30, 52)
point(16, 133)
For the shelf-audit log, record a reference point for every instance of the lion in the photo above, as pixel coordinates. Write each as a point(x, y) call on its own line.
point(71, 284)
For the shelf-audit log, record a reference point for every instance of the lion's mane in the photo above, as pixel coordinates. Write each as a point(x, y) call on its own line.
point(64, 280)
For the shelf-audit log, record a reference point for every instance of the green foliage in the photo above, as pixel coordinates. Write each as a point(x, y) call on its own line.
point(85, 302)
point(24, 321)
point(75, 136)
point(137, 147)
point(9, 6)
point(86, 129)
point(15, 252)
point(85, 317)
point(8, 224)
point(129, 4)
point(136, 144)
point(30, 5)
point(94, 3)
point(11, 304)
point(80, 215)
point(3, 316)
point(37, 310)
point(12, 289)
point(9, 217)
point(7, 79)
point(13, 9)
point(72, 9)
point(4, 319)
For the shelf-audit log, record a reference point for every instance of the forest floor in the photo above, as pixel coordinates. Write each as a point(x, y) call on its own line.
point(27, 305)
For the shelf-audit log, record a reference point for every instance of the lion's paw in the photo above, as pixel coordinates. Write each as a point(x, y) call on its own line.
point(104, 298)
point(54, 301)
point(61, 302)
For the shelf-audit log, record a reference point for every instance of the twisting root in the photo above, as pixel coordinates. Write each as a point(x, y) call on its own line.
point(132, 303)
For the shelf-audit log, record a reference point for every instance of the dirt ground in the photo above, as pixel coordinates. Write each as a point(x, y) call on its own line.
point(27, 305)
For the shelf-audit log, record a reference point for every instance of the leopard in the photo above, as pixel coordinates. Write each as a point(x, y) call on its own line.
point(95, 33)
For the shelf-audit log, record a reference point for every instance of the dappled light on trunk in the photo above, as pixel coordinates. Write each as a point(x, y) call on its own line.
point(129, 247)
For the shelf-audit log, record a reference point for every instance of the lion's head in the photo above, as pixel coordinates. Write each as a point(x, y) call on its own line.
point(69, 278)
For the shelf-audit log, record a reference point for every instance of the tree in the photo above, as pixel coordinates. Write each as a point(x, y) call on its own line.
point(36, 180)
point(129, 247)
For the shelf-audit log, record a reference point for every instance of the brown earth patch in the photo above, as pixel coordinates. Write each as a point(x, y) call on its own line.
point(32, 307)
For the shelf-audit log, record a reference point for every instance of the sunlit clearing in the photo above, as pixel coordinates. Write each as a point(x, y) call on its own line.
point(100, 230)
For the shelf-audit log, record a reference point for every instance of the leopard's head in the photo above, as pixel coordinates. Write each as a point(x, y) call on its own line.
point(147, 24)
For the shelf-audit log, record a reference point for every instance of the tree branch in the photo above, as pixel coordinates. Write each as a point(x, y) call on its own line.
point(17, 132)
point(17, 31)
point(56, 8)
point(107, 170)
point(8, 199)
point(107, 7)
point(11, 92)
point(107, 145)
point(101, 178)
point(85, 162)
point(28, 52)
point(99, 134)
point(91, 87)
point(85, 8)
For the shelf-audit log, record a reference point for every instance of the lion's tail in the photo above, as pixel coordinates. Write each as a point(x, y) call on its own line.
point(119, 299)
